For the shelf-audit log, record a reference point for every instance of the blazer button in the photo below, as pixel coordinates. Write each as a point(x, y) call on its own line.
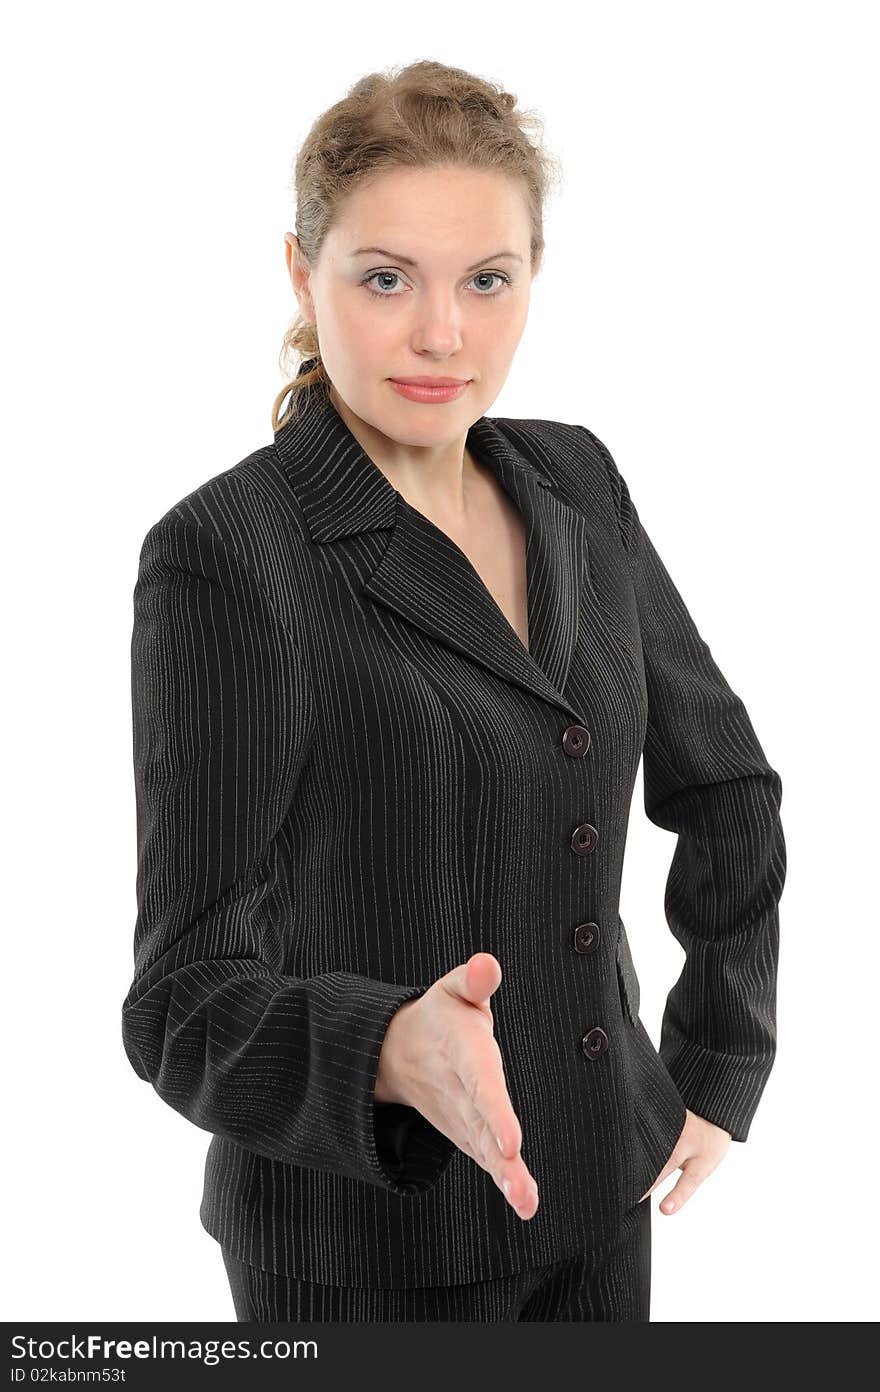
point(584, 838)
point(594, 1042)
point(586, 937)
point(576, 741)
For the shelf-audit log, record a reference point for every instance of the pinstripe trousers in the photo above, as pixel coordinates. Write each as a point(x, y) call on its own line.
point(611, 1283)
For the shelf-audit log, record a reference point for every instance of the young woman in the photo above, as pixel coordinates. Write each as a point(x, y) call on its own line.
point(392, 678)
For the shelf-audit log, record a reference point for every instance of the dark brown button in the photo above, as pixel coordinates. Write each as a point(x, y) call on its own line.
point(584, 838)
point(576, 741)
point(594, 1042)
point(586, 937)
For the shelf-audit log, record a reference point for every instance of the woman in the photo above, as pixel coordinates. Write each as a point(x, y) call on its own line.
point(393, 675)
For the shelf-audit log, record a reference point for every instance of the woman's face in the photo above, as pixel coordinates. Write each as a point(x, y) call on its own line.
point(447, 295)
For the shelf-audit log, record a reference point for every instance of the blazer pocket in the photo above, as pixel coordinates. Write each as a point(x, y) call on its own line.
point(626, 975)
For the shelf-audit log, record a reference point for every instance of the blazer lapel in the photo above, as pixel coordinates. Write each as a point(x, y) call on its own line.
point(423, 575)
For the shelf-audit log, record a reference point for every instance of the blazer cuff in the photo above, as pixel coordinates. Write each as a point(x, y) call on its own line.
point(406, 1153)
point(412, 1152)
point(723, 1088)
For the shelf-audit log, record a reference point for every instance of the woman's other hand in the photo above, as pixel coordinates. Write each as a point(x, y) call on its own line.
point(699, 1149)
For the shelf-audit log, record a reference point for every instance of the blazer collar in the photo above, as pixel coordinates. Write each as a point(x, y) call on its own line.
point(422, 575)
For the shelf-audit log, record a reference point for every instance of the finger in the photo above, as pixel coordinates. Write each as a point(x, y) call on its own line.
point(507, 1134)
point(522, 1188)
point(511, 1174)
point(476, 1136)
point(512, 1177)
point(511, 1168)
point(491, 1125)
point(475, 980)
point(688, 1184)
point(486, 1089)
point(521, 1194)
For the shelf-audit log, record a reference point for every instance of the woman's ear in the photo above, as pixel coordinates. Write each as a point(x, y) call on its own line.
point(299, 275)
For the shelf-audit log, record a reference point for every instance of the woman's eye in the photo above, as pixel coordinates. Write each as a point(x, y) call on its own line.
point(386, 276)
point(387, 293)
point(487, 275)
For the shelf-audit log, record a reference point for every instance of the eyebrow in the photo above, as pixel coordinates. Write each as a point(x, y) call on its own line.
point(408, 261)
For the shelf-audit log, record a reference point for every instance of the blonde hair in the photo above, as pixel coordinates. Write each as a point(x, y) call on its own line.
point(424, 115)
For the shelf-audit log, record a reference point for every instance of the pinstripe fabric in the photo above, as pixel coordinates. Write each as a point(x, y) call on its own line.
point(612, 1282)
point(350, 775)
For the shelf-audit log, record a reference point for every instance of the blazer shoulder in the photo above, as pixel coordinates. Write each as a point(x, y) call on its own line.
point(237, 507)
point(240, 529)
point(577, 462)
point(208, 504)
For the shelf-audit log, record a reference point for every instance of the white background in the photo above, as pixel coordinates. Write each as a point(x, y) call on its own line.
point(708, 306)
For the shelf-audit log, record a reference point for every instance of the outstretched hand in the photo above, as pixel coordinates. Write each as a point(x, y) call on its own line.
point(440, 1056)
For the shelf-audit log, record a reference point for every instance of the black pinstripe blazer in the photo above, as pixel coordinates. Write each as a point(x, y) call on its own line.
point(351, 774)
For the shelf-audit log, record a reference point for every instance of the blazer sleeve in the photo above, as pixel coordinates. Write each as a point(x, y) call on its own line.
point(223, 718)
point(706, 778)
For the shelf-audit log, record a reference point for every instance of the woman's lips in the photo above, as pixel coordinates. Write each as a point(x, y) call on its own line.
point(420, 392)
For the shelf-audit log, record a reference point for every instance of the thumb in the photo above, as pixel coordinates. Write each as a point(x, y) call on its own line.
point(476, 979)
